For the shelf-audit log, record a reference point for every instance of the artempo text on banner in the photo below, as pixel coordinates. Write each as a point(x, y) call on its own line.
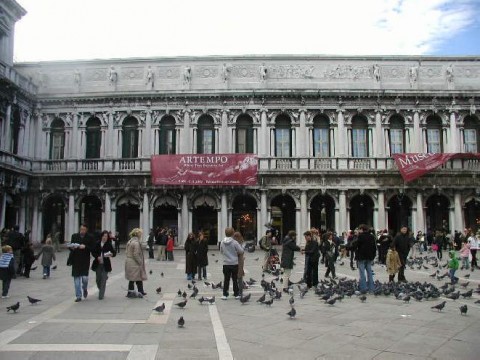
point(204, 169)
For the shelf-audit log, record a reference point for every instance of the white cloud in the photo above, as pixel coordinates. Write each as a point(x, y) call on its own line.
point(85, 29)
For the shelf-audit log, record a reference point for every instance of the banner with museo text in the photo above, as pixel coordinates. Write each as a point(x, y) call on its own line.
point(204, 169)
point(414, 165)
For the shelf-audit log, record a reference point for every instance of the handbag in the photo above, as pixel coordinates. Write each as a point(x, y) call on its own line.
point(435, 247)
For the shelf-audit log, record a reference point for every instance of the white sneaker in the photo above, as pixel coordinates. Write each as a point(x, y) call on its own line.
point(5, 297)
point(237, 297)
point(224, 297)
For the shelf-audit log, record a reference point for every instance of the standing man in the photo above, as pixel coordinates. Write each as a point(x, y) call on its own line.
point(365, 247)
point(230, 249)
point(17, 241)
point(161, 241)
point(289, 246)
point(402, 245)
point(266, 246)
point(151, 240)
point(81, 245)
point(312, 256)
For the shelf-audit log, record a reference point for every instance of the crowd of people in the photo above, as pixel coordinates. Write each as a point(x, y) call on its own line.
point(361, 246)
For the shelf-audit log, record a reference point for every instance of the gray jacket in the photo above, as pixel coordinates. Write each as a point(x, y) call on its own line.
point(230, 250)
point(48, 255)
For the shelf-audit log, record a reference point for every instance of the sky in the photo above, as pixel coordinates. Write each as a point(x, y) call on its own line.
point(105, 29)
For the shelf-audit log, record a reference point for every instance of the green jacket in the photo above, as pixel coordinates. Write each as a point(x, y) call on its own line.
point(453, 263)
point(266, 243)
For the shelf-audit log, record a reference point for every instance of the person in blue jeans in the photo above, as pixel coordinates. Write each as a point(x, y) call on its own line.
point(48, 256)
point(365, 249)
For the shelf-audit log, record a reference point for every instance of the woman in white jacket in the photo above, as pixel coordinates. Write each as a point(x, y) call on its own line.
point(474, 242)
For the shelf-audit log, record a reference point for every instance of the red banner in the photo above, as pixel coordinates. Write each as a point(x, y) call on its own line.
point(414, 165)
point(204, 169)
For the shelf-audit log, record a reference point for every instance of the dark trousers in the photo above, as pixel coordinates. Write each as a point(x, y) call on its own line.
point(170, 255)
point(202, 271)
point(311, 276)
point(6, 286)
point(230, 271)
point(101, 280)
point(139, 286)
point(150, 252)
point(474, 258)
point(330, 264)
point(26, 270)
point(117, 246)
point(352, 258)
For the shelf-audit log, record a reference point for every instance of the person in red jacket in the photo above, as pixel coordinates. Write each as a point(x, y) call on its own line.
point(169, 248)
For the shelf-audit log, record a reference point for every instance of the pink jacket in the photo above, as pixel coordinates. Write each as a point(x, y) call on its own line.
point(465, 250)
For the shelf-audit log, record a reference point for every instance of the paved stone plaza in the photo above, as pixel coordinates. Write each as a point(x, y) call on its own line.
point(121, 328)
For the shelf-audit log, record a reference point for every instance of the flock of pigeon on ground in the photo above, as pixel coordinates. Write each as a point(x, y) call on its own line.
point(331, 291)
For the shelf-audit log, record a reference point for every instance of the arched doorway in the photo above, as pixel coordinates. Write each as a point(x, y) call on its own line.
point(283, 214)
point(361, 211)
point(54, 217)
point(244, 216)
point(437, 213)
point(399, 213)
point(90, 213)
point(165, 214)
point(322, 212)
point(472, 214)
point(205, 218)
point(128, 217)
point(12, 207)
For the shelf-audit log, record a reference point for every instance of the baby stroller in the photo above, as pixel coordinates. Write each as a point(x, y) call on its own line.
point(273, 263)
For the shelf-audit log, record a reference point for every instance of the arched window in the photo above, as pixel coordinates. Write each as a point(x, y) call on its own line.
point(471, 134)
point(244, 141)
point(397, 135)
point(434, 134)
point(359, 136)
point(321, 136)
point(205, 135)
point(57, 140)
point(283, 136)
point(168, 139)
point(130, 138)
point(94, 138)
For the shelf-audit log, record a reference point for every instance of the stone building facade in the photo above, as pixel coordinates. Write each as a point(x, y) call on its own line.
point(77, 136)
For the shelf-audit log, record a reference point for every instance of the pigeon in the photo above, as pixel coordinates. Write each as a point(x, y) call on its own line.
point(216, 261)
point(477, 302)
point(179, 292)
point(291, 301)
point(194, 293)
point(454, 296)
point(184, 294)
point(13, 307)
point(440, 306)
point(211, 300)
point(467, 294)
point(406, 299)
point(245, 299)
point(363, 298)
point(201, 300)
point(33, 300)
point(256, 259)
point(213, 254)
point(54, 267)
point(463, 309)
point(433, 275)
point(464, 285)
point(161, 274)
point(261, 299)
point(189, 286)
point(159, 290)
point(207, 283)
point(150, 272)
point(269, 302)
point(466, 276)
point(182, 304)
point(160, 308)
point(33, 268)
point(181, 322)
point(331, 301)
point(292, 313)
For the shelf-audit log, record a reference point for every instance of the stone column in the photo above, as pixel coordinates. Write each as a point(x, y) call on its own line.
point(185, 225)
point(454, 143)
point(113, 220)
point(302, 137)
point(416, 140)
point(146, 152)
point(264, 136)
point(420, 213)
point(223, 212)
point(111, 135)
point(186, 138)
point(22, 215)
point(2, 210)
point(146, 215)
point(303, 212)
point(341, 139)
point(382, 224)
point(76, 154)
point(70, 218)
point(21, 141)
point(39, 137)
point(298, 229)
point(342, 203)
point(36, 240)
point(380, 147)
point(223, 145)
point(263, 213)
point(7, 140)
point(107, 212)
point(459, 221)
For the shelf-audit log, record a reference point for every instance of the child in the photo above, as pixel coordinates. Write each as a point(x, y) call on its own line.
point(48, 255)
point(7, 269)
point(169, 248)
point(464, 254)
point(241, 262)
point(453, 266)
point(393, 262)
point(28, 259)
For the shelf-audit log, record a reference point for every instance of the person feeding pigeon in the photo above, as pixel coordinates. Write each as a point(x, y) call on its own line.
point(7, 269)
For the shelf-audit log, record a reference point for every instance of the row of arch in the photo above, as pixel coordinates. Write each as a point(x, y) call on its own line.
point(244, 213)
